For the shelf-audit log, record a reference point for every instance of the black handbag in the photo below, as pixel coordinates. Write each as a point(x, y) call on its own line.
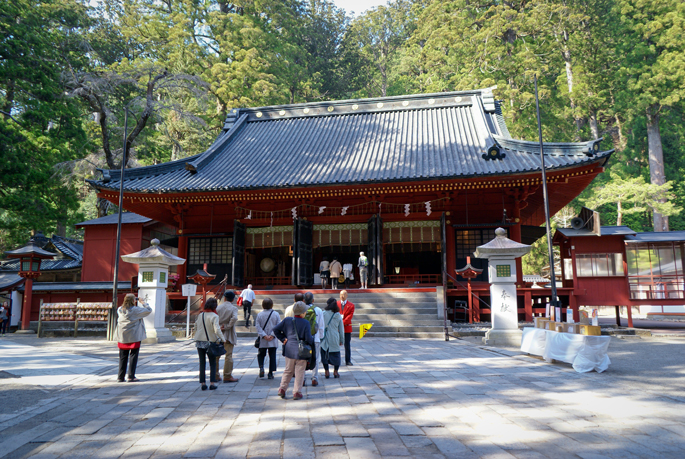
point(215, 349)
point(258, 341)
point(304, 350)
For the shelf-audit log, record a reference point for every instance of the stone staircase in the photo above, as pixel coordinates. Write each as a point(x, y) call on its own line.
point(399, 313)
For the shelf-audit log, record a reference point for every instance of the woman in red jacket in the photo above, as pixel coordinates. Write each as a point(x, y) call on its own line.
point(347, 310)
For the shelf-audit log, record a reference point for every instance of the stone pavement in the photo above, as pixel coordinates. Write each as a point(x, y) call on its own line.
point(402, 398)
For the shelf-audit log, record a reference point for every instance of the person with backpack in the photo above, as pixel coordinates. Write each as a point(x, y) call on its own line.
point(314, 316)
point(363, 265)
point(296, 336)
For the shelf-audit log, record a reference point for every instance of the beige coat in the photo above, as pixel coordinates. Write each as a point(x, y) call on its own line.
point(211, 322)
point(336, 269)
point(228, 316)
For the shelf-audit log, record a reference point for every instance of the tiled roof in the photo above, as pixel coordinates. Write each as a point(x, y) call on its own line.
point(46, 265)
point(605, 231)
point(70, 248)
point(76, 286)
point(418, 137)
point(126, 218)
point(9, 280)
point(666, 236)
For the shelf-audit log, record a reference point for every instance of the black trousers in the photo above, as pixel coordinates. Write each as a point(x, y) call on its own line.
point(212, 366)
point(124, 361)
point(272, 358)
point(247, 309)
point(348, 350)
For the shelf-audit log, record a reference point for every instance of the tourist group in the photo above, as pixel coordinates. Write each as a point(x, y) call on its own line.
point(310, 337)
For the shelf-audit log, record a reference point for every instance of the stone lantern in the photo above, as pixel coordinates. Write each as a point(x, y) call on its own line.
point(30, 257)
point(153, 275)
point(502, 253)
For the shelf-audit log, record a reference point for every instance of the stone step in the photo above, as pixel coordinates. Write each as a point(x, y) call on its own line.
point(321, 297)
point(378, 334)
point(431, 335)
point(421, 321)
point(410, 328)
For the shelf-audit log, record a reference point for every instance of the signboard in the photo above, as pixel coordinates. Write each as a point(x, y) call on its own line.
point(189, 289)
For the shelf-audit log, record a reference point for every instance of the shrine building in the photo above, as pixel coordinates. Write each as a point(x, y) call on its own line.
point(416, 182)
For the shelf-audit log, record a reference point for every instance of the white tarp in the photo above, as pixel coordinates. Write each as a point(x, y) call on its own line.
point(585, 353)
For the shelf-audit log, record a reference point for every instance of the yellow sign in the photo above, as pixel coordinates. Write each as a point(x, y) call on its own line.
point(363, 328)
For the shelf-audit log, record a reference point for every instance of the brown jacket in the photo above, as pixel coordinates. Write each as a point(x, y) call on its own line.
point(228, 316)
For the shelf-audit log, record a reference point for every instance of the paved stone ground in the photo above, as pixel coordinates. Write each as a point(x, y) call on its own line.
point(402, 398)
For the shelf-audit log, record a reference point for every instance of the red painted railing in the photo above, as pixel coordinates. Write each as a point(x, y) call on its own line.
point(405, 279)
point(262, 281)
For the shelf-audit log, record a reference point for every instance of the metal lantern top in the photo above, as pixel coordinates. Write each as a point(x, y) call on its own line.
point(202, 277)
point(501, 246)
point(468, 271)
point(153, 254)
point(30, 257)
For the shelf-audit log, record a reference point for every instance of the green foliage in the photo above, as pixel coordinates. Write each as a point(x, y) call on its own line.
point(632, 196)
point(605, 69)
point(39, 127)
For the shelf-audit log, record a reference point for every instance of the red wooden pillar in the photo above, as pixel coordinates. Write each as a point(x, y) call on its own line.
point(630, 316)
point(470, 301)
point(451, 249)
point(26, 309)
point(515, 235)
point(182, 270)
point(476, 309)
point(528, 305)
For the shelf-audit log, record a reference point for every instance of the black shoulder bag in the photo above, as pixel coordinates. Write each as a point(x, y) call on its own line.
point(215, 349)
point(304, 350)
point(259, 338)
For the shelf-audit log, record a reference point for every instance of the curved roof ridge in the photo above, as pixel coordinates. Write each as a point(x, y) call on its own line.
point(406, 97)
point(589, 148)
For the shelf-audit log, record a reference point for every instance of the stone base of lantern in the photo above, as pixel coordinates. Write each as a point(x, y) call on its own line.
point(25, 332)
point(507, 338)
point(159, 335)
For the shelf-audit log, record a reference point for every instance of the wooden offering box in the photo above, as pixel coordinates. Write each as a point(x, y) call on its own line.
point(540, 321)
point(572, 328)
point(591, 330)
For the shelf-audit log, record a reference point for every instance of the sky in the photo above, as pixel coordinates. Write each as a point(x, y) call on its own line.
point(358, 6)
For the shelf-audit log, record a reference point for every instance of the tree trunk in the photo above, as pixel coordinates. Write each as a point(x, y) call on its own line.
point(656, 161)
point(103, 206)
point(566, 54)
point(619, 214)
point(61, 229)
point(9, 98)
point(621, 140)
point(594, 128)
